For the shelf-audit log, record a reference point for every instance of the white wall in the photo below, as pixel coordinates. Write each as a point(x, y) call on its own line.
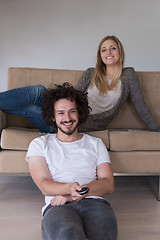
point(64, 34)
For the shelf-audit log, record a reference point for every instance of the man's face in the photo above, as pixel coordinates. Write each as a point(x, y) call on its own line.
point(66, 116)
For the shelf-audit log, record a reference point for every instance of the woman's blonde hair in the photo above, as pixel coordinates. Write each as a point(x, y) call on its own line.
point(99, 74)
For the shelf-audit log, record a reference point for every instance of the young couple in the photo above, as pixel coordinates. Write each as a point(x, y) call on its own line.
point(62, 163)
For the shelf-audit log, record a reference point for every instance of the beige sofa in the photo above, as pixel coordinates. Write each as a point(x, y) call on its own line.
point(133, 149)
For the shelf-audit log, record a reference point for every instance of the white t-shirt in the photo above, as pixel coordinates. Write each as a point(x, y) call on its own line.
point(103, 102)
point(70, 161)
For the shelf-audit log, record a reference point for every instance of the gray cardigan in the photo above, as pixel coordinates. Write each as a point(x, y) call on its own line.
point(130, 87)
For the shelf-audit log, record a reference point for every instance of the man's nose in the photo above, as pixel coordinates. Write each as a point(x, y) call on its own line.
point(67, 117)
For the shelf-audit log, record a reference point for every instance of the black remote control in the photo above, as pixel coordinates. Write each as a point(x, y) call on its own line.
point(83, 191)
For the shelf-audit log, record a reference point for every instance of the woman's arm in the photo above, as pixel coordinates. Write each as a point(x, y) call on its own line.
point(138, 101)
point(85, 80)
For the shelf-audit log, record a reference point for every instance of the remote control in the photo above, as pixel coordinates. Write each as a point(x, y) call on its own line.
point(83, 191)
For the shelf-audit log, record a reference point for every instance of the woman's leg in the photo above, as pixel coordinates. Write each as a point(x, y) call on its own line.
point(62, 223)
point(25, 102)
point(21, 97)
point(33, 114)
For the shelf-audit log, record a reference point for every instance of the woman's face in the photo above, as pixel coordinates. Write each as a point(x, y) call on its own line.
point(109, 52)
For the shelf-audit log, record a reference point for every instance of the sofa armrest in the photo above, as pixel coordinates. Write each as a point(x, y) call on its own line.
point(2, 120)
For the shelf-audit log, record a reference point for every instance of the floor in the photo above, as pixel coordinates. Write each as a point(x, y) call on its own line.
point(134, 202)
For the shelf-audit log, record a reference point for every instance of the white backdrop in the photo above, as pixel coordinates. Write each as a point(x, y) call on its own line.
point(64, 34)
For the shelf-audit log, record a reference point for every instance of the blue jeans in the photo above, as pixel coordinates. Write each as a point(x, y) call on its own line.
point(25, 102)
point(91, 219)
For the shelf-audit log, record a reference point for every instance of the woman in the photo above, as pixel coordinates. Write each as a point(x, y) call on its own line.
point(108, 87)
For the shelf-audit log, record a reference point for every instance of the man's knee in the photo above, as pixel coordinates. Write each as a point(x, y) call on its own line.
point(71, 233)
point(60, 231)
point(62, 224)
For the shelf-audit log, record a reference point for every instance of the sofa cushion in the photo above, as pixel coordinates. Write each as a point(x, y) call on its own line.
point(134, 140)
point(19, 138)
point(13, 162)
point(101, 134)
point(136, 162)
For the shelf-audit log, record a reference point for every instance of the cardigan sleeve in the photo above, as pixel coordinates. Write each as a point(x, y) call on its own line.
point(85, 80)
point(138, 101)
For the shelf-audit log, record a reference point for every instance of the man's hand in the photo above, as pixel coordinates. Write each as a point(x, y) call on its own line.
point(59, 200)
point(74, 195)
point(74, 188)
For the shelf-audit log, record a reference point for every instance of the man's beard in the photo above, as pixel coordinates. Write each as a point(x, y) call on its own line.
point(69, 131)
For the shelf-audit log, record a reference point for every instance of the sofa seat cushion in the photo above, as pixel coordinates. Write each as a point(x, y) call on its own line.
point(20, 138)
point(12, 162)
point(134, 140)
point(136, 162)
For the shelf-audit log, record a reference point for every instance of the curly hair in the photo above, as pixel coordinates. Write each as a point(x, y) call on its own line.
point(64, 91)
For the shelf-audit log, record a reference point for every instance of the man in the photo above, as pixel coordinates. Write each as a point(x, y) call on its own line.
point(60, 164)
